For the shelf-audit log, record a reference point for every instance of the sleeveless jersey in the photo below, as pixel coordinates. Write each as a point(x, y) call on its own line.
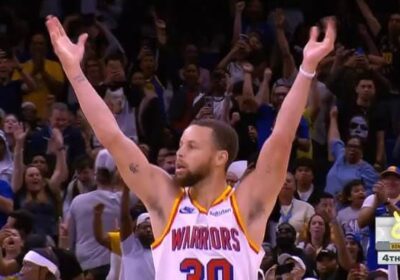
point(206, 245)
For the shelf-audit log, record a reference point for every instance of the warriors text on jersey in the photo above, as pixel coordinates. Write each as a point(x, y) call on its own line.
point(206, 245)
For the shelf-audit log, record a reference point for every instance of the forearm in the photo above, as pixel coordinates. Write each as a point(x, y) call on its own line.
point(344, 257)
point(380, 147)
point(98, 232)
point(6, 205)
point(371, 20)
point(225, 61)
point(289, 65)
point(370, 44)
point(126, 223)
point(333, 133)
point(262, 96)
point(237, 27)
point(61, 170)
point(27, 79)
point(248, 86)
point(17, 176)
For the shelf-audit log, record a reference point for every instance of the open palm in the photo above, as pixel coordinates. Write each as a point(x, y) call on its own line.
point(315, 51)
point(70, 54)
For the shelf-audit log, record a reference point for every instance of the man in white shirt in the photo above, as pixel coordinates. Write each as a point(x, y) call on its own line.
point(304, 175)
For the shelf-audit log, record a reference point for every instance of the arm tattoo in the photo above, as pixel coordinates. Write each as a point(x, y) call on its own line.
point(133, 167)
point(79, 78)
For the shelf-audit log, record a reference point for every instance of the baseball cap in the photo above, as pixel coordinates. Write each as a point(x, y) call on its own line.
point(284, 257)
point(104, 160)
point(391, 170)
point(144, 217)
point(326, 253)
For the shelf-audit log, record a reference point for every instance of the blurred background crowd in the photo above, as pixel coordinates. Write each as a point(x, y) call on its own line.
point(66, 214)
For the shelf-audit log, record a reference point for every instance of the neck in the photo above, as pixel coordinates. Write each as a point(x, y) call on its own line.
point(303, 187)
point(285, 199)
point(363, 103)
point(104, 187)
point(317, 242)
point(10, 255)
point(356, 205)
point(209, 189)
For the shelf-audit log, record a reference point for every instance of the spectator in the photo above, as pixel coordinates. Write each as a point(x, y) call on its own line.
point(40, 264)
point(169, 162)
point(10, 123)
point(293, 211)
point(191, 57)
point(325, 202)
point(46, 73)
point(6, 161)
point(383, 202)
point(6, 201)
point(21, 220)
point(304, 175)
point(11, 91)
point(59, 119)
point(12, 244)
point(33, 191)
point(93, 258)
point(353, 197)
point(349, 164)
point(83, 182)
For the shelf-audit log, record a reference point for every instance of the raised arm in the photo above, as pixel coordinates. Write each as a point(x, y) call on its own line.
point(369, 17)
point(98, 231)
point(125, 217)
point(132, 164)
point(237, 23)
point(289, 66)
point(263, 95)
point(60, 173)
point(17, 176)
point(257, 194)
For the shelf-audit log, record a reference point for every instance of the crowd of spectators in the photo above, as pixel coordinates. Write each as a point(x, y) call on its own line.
point(66, 214)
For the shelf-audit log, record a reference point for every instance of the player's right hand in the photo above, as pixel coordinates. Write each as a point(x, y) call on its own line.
point(70, 54)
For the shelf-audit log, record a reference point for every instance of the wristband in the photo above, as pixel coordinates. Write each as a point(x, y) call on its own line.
point(307, 74)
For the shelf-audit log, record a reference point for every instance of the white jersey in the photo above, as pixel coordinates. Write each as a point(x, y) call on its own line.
point(206, 245)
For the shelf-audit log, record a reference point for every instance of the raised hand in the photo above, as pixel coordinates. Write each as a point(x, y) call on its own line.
point(239, 7)
point(247, 67)
point(20, 133)
point(70, 54)
point(334, 112)
point(315, 51)
point(279, 18)
point(267, 74)
point(160, 24)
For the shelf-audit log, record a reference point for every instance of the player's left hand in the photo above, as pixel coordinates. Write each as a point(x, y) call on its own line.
point(315, 51)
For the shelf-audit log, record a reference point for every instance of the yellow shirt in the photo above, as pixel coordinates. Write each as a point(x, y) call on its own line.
point(115, 241)
point(40, 95)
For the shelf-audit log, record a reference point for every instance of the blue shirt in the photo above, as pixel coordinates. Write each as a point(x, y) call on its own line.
point(266, 116)
point(6, 192)
point(11, 97)
point(342, 172)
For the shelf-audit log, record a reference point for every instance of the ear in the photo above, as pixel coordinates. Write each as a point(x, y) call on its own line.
point(221, 158)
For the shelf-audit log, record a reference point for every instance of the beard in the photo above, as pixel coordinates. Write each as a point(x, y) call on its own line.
point(146, 240)
point(190, 179)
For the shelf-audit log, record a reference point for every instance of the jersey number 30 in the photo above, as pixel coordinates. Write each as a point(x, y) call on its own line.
point(195, 269)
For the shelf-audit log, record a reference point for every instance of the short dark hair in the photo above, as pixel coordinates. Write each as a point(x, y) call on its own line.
point(104, 176)
point(304, 162)
point(225, 137)
point(60, 107)
point(116, 56)
point(323, 195)
point(348, 188)
point(82, 162)
point(23, 221)
point(365, 75)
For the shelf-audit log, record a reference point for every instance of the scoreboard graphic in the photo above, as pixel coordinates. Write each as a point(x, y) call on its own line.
point(387, 243)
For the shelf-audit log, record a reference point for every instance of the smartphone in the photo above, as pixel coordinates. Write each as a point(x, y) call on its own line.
point(360, 51)
point(284, 268)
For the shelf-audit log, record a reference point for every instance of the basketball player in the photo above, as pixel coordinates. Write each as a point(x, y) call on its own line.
point(206, 230)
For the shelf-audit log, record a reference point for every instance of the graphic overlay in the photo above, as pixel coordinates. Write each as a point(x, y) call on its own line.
point(387, 243)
